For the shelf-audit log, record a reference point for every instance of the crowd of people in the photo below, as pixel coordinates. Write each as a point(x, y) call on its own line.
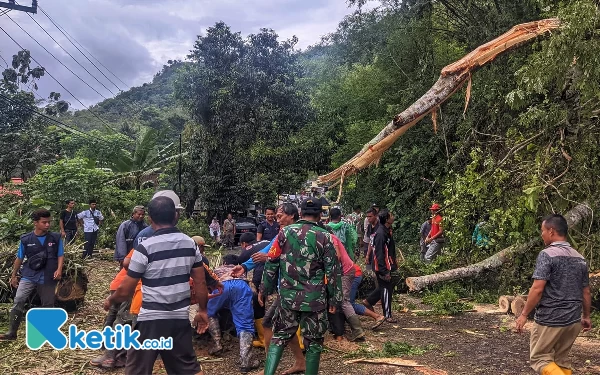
point(304, 282)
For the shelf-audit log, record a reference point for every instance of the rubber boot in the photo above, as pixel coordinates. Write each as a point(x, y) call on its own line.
point(246, 362)
point(14, 318)
point(300, 339)
point(215, 331)
point(567, 371)
point(313, 358)
point(357, 331)
point(550, 369)
point(273, 357)
point(108, 355)
point(260, 332)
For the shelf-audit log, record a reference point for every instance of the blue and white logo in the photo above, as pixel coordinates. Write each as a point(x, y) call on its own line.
point(43, 326)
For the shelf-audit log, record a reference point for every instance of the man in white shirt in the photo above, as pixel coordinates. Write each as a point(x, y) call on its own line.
point(91, 220)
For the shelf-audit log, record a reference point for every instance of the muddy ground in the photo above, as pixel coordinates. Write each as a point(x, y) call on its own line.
point(481, 342)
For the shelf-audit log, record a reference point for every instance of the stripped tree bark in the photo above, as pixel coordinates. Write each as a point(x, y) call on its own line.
point(574, 217)
point(451, 79)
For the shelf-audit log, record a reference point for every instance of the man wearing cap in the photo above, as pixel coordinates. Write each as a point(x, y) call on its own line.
point(300, 260)
point(435, 239)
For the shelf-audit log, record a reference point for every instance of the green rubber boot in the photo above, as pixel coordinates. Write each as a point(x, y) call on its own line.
point(273, 357)
point(313, 358)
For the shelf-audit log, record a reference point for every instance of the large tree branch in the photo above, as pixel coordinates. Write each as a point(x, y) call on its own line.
point(452, 78)
point(574, 217)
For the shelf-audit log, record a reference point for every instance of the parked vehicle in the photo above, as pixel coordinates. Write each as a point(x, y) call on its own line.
point(244, 225)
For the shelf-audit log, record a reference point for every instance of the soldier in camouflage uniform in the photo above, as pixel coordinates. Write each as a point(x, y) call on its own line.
point(303, 262)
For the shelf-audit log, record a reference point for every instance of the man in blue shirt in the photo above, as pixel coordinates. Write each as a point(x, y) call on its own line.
point(43, 252)
point(268, 229)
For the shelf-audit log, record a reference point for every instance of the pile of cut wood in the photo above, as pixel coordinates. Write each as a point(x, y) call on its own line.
point(512, 304)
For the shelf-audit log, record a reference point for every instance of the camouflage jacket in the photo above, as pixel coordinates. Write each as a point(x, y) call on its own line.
point(309, 270)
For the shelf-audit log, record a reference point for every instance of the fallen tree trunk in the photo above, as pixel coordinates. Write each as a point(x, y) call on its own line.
point(451, 79)
point(574, 217)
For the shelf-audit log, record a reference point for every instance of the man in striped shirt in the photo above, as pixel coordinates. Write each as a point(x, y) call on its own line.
point(164, 262)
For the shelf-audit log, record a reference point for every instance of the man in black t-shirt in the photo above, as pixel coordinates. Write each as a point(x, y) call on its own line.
point(68, 221)
point(268, 229)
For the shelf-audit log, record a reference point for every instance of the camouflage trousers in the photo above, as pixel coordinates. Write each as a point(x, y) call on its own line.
point(313, 325)
point(228, 239)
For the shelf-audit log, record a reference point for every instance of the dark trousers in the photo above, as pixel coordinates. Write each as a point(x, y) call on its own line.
point(337, 322)
point(383, 292)
point(259, 311)
point(70, 235)
point(112, 313)
point(90, 242)
point(180, 360)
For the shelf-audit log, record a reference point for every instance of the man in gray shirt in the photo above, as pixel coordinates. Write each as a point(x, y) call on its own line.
point(561, 297)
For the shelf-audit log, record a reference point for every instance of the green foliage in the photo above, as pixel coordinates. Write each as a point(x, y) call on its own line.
point(247, 101)
point(390, 349)
point(67, 179)
point(446, 302)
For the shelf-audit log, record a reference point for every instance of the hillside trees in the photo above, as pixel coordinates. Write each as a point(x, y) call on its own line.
point(251, 138)
point(526, 146)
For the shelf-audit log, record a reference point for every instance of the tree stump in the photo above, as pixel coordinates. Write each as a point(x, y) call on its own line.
point(518, 304)
point(504, 303)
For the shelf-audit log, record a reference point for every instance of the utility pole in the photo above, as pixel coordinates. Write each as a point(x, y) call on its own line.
point(180, 189)
point(12, 5)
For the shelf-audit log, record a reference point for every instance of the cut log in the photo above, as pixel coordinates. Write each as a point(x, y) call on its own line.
point(504, 303)
point(518, 304)
point(451, 79)
point(574, 217)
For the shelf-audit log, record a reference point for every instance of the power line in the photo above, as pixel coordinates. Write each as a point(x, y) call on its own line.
point(69, 37)
point(78, 63)
point(61, 85)
point(57, 59)
point(5, 62)
point(60, 124)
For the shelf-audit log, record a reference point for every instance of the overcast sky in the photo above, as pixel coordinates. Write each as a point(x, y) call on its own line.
point(134, 38)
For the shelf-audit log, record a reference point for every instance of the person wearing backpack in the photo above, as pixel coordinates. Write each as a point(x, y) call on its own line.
point(43, 253)
point(91, 219)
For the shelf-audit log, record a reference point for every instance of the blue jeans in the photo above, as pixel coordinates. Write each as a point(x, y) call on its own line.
point(358, 308)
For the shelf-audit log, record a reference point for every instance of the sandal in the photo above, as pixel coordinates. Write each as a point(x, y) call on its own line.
point(391, 320)
point(378, 322)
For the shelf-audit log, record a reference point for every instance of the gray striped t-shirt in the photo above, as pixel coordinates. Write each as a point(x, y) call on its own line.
point(164, 262)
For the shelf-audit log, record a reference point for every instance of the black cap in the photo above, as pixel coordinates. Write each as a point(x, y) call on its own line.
point(375, 205)
point(247, 237)
point(311, 205)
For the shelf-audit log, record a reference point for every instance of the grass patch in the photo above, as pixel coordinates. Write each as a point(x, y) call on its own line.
point(391, 349)
point(446, 302)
